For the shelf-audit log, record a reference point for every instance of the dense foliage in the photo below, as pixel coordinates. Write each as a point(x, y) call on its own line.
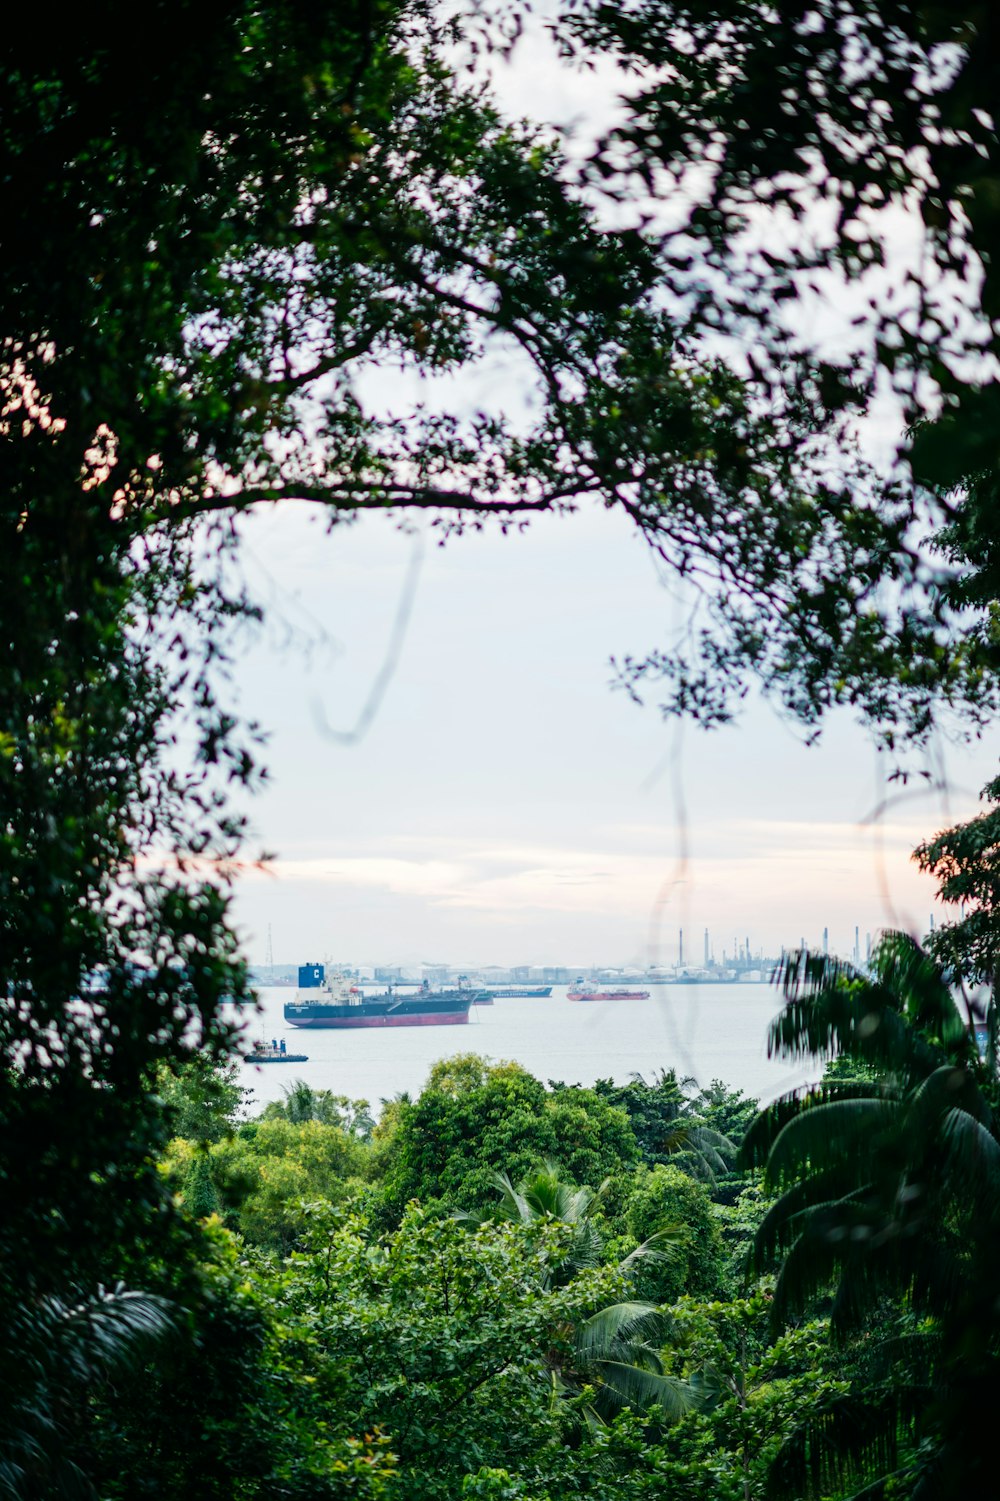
point(523, 1337)
point(308, 1350)
point(888, 1200)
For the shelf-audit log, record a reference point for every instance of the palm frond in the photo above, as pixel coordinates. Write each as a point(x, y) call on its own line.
point(972, 1156)
point(512, 1205)
point(108, 1333)
point(768, 1125)
point(842, 1130)
point(708, 1152)
point(915, 1351)
point(587, 1247)
point(872, 1269)
point(619, 1321)
point(942, 1090)
point(852, 1439)
point(782, 1224)
point(808, 1268)
point(660, 1246)
point(624, 1384)
point(831, 1008)
point(938, 1272)
point(916, 980)
point(68, 1346)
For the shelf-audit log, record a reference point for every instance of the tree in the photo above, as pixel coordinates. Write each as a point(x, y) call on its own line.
point(215, 252)
point(303, 1103)
point(889, 1191)
point(486, 1118)
point(965, 861)
point(693, 1261)
point(786, 146)
point(67, 1352)
point(442, 1337)
point(614, 1349)
point(200, 259)
point(202, 1101)
point(231, 1400)
point(211, 243)
point(544, 1196)
point(213, 256)
point(753, 1393)
point(259, 1178)
point(669, 1125)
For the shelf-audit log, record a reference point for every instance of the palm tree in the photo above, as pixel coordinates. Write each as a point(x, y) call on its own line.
point(668, 1125)
point(615, 1350)
point(889, 1189)
point(544, 1195)
point(303, 1103)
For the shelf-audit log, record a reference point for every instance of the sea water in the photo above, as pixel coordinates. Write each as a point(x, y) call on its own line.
point(703, 1031)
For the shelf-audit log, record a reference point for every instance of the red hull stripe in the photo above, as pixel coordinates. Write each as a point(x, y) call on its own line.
point(419, 1019)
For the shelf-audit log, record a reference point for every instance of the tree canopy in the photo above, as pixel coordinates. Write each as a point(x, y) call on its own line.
point(477, 1119)
point(824, 177)
point(887, 1198)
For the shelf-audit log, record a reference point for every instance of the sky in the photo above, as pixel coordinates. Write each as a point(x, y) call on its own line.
point(504, 803)
point(454, 778)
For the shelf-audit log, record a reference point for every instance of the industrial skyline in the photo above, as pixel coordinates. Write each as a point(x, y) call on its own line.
point(742, 956)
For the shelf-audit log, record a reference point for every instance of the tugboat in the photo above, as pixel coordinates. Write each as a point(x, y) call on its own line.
point(273, 1052)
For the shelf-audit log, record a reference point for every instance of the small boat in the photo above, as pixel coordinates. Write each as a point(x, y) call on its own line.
point(580, 992)
point(273, 1052)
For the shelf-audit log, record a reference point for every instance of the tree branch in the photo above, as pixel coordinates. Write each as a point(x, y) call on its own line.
point(357, 495)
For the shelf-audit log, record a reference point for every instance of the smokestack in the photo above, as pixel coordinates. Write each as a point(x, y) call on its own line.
point(826, 940)
point(706, 948)
point(857, 948)
point(680, 948)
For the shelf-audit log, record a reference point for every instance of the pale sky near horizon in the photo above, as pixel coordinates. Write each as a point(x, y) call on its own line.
point(505, 805)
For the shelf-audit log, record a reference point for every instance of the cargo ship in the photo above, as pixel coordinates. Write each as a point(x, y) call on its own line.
point(533, 992)
point(580, 992)
point(335, 1002)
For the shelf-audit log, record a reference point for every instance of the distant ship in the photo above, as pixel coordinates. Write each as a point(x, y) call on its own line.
point(273, 1052)
point(320, 1002)
point(579, 992)
point(534, 992)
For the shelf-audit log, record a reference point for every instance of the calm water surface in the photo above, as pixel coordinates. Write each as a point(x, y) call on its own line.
point(708, 1031)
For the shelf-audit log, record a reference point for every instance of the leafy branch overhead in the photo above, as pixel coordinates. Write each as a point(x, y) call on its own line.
point(231, 303)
